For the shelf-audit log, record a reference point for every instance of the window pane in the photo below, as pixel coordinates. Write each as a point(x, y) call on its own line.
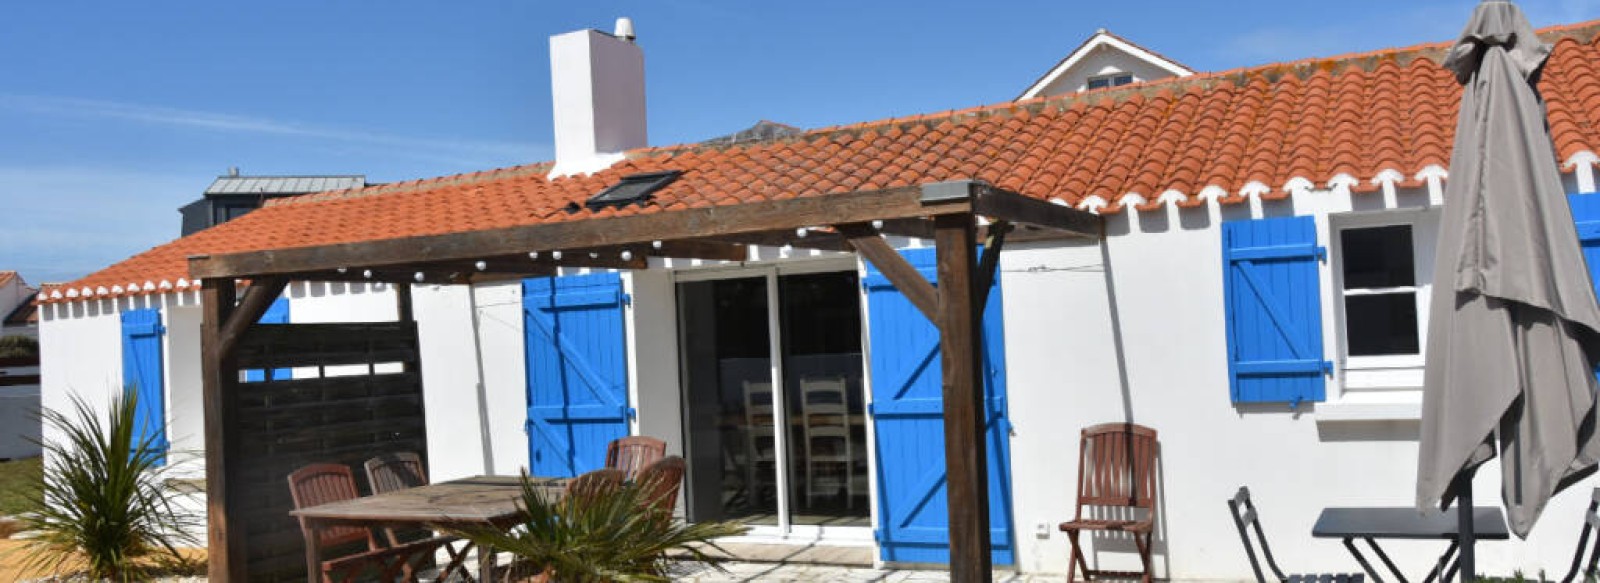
point(1121, 80)
point(1378, 257)
point(1099, 83)
point(1381, 324)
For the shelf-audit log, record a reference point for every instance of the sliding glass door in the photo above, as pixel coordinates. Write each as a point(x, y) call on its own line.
point(773, 400)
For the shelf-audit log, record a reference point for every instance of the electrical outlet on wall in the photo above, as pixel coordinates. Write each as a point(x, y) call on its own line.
point(1041, 530)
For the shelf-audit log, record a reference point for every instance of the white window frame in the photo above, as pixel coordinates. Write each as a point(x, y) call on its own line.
point(1384, 372)
point(1110, 79)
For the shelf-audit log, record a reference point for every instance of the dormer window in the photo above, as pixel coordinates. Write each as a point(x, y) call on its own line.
point(1111, 80)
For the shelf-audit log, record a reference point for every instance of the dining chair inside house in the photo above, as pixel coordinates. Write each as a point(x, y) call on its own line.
point(761, 445)
point(826, 426)
point(1243, 511)
point(1116, 493)
point(661, 481)
point(633, 454)
point(325, 483)
point(1590, 529)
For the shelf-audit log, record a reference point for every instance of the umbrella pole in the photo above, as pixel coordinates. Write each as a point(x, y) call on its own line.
point(1466, 529)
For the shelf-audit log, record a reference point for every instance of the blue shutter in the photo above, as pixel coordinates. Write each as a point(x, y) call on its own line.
point(908, 420)
point(1274, 310)
point(577, 371)
point(141, 375)
point(277, 313)
point(1586, 213)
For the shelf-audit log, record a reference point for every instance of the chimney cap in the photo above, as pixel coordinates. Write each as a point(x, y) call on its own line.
point(624, 29)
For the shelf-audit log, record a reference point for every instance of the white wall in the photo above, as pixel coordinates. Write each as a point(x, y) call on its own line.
point(1064, 375)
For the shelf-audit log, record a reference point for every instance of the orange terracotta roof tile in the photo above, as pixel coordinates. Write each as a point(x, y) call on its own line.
point(1367, 119)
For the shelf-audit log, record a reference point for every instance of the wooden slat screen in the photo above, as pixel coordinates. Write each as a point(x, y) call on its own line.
point(286, 424)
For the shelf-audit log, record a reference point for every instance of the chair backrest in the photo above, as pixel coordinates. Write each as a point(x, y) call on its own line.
point(632, 455)
point(660, 482)
point(1117, 467)
point(396, 471)
point(1244, 517)
point(1591, 524)
point(594, 484)
point(319, 484)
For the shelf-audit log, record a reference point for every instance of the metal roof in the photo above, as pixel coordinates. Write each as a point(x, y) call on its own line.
point(283, 184)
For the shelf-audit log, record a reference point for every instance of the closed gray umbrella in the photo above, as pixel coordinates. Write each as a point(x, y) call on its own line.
point(1514, 331)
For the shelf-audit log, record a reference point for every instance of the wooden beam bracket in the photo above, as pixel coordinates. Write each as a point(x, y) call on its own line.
point(916, 288)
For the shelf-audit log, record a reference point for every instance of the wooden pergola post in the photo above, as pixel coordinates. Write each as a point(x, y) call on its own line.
point(965, 452)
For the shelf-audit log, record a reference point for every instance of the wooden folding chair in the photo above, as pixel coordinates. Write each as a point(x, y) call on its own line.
point(398, 471)
point(593, 484)
point(661, 481)
point(318, 484)
point(632, 455)
point(1117, 478)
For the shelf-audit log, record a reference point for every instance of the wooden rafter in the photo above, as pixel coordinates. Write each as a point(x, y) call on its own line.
point(916, 288)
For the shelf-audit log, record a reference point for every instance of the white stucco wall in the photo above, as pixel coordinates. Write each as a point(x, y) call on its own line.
point(1064, 375)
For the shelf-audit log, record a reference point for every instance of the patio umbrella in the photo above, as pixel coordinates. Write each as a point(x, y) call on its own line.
point(1514, 330)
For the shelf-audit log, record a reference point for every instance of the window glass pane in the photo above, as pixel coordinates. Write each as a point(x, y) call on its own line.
point(1099, 83)
point(1381, 324)
point(827, 430)
point(1378, 257)
point(1121, 80)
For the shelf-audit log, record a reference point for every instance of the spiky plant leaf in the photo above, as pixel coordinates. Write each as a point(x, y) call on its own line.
point(102, 510)
point(616, 535)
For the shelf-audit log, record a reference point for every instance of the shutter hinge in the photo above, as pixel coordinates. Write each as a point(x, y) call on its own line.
point(877, 534)
point(1294, 404)
point(627, 299)
point(1327, 367)
point(159, 330)
point(633, 413)
point(1322, 254)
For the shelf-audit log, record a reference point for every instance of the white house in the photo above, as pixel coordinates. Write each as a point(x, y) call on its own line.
point(1334, 166)
point(17, 317)
point(1104, 60)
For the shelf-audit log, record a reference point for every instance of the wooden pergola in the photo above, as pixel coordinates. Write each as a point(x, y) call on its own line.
point(946, 212)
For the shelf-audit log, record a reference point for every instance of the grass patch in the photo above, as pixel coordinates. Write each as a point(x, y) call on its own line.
point(19, 481)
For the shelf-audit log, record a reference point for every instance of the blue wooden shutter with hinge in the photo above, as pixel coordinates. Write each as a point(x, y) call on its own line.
point(141, 376)
point(908, 421)
point(1273, 298)
point(577, 371)
point(1586, 214)
point(277, 313)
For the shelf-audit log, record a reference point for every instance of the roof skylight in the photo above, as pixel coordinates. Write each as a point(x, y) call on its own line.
point(634, 188)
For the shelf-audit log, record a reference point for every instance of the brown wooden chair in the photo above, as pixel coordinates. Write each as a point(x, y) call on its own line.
point(319, 484)
point(398, 471)
point(660, 482)
point(1117, 484)
point(633, 454)
point(593, 484)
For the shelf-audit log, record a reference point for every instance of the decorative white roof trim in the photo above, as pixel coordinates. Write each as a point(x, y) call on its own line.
point(166, 284)
point(1133, 199)
point(1092, 204)
point(1254, 189)
point(1212, 193)
point(149, 286)
point(1299, 185)
point(1582, 164)
point(1103, 38)
point(1173, 197)
point(1388, 176)
point(1059, 202)
point(116, 289)
point(71, 293)
point(55, 294)
point(101, 291)
point(1435, 175)
point(182, 283)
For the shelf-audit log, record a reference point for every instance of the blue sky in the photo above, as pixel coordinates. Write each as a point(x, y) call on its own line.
point(114, 114)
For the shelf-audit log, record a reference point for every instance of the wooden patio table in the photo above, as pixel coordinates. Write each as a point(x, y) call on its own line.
point(1405, 523)
point(493, 501)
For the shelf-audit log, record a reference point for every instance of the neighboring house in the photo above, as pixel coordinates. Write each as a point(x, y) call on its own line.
point(17, 314)
point(1259, 298)
point(1104, 61)
point(232, 195)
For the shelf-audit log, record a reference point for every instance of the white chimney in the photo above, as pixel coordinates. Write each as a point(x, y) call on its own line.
point(597, 89)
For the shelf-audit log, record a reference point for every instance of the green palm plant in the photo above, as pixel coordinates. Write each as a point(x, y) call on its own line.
point(615, 534)
point(102, 509)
